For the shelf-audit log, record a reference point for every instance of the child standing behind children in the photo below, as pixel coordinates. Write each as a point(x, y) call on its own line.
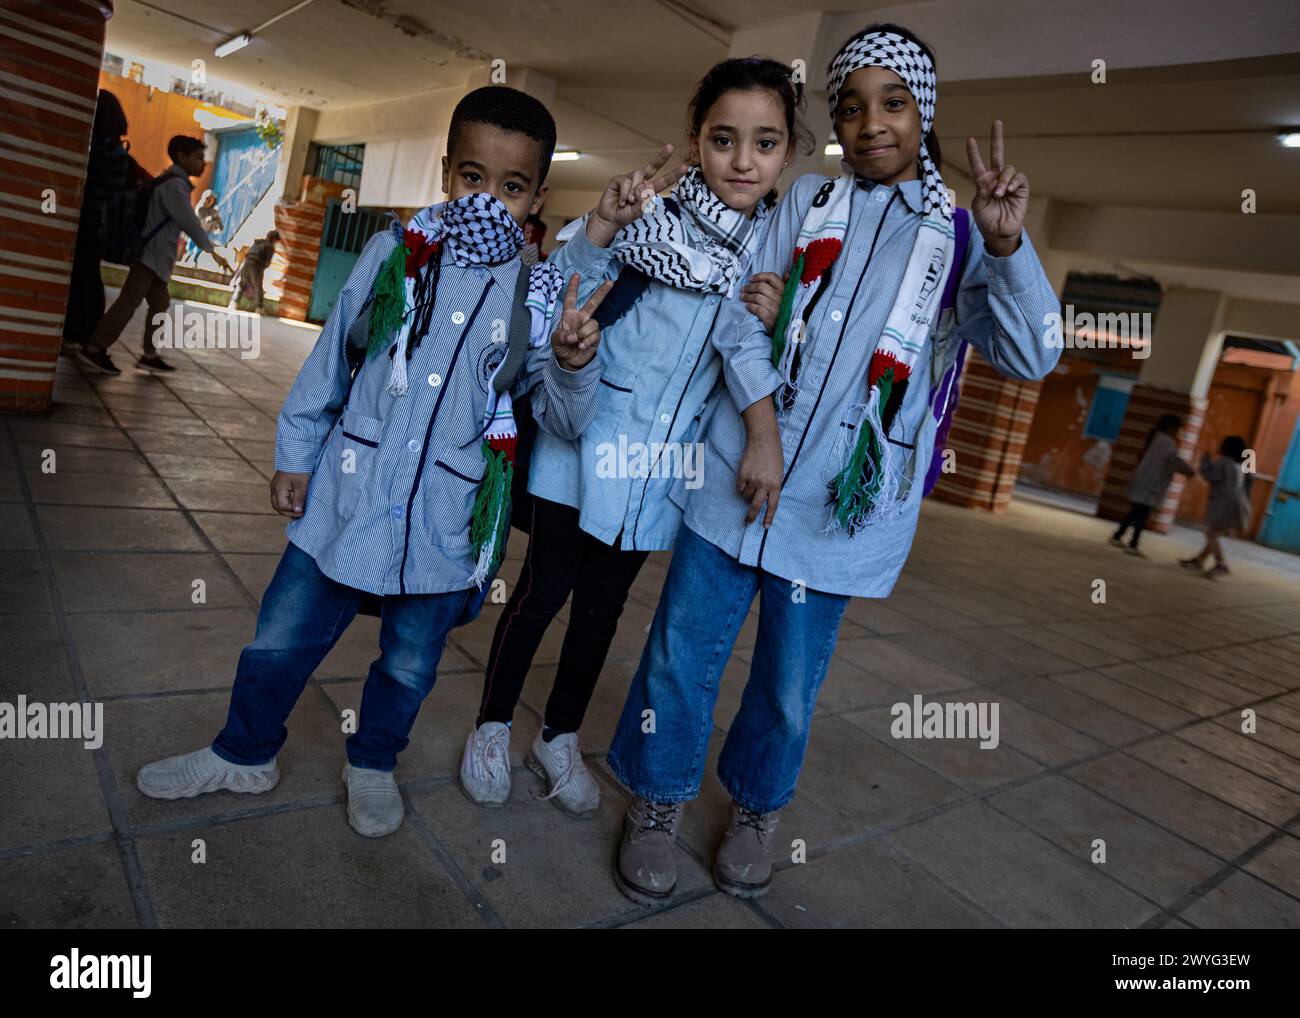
point(408, 462)
point(592, 528)
point(1146, 489)
point(1228, 507)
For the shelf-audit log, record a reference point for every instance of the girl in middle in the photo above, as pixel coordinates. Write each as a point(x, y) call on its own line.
point(599, 508)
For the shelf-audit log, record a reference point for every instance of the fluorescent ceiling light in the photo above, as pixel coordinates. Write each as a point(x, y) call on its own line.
point(231, 45)
point(1289, 139)
point(565, 157)
point(834, 149)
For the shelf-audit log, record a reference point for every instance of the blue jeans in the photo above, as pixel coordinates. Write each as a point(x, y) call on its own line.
point(303, 615)
point(703, 605)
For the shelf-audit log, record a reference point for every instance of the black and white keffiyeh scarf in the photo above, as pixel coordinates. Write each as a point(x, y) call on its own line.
point(873, 484)
point(658, 245)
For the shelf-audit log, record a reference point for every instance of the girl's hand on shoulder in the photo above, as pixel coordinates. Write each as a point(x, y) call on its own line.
point(626, 197)
point(762, 295)
point(1001, 195)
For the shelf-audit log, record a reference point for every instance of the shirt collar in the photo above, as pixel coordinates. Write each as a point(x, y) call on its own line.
point(909, 189)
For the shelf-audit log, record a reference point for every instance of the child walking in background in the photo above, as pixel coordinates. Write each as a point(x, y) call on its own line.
point(1146, 488)
point(1228, 507)
point(828, 414)
point(593, 523)
point(397, 479)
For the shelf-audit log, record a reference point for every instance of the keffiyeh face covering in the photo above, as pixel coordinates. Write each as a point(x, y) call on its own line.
point(873, 484)
point(477, 229)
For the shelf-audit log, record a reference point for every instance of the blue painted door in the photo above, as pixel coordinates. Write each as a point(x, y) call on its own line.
point(342, 239)
point(243, 171)
point(1282, 522)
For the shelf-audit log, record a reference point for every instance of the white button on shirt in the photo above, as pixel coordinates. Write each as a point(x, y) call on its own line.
point(413, 445)
point(458, 317)
point(435, 379)
point(879, 194)
point(665, 418)
point(836, 316)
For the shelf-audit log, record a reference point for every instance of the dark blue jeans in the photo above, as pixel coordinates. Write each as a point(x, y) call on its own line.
point(303, 615)
point(704, 603)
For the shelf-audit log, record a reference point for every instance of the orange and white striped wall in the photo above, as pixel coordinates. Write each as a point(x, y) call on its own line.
point(49, 76)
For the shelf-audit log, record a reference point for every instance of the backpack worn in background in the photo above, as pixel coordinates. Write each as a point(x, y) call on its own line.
point(125, 216)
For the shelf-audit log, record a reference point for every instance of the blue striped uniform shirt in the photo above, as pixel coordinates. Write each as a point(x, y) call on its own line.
point(1001, 304)
point(393, 479)
point(658, 372)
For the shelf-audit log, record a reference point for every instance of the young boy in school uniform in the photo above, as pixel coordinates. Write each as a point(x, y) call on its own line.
point(397, 477)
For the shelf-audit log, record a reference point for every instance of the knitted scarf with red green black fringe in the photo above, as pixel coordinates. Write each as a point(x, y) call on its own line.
point(477, 229)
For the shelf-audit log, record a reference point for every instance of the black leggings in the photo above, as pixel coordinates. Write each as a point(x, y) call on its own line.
point(561, 559)
point(1137, 519)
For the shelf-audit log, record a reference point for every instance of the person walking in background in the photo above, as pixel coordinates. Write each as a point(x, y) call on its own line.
point(534, 234)
point(1228, 507)
point(247, 286)
point(169, 213)
point(1146, 488)
point(109, 171)
point(209, 219)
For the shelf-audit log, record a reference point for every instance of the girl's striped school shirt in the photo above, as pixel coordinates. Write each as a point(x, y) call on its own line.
point(658, 371)
point(1001, 308)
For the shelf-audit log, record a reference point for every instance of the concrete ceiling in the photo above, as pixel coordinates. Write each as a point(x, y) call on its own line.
point(1169, 135)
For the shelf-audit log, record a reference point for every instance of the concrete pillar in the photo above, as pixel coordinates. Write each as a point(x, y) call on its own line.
point(299, 130)
point(48, 111)
point(1175, 378)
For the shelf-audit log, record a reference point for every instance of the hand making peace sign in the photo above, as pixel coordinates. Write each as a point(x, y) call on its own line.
point(1001, 195)
point(625, 195)
point(577, 335)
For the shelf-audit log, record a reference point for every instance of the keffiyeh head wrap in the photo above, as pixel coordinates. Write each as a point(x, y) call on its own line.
point(477, 229)
point(873, 483)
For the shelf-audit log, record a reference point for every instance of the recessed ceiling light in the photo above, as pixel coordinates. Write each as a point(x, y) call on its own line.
point(1289, 139)
point(834, 149)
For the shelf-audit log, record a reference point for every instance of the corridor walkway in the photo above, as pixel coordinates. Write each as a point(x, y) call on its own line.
point(1119, 722)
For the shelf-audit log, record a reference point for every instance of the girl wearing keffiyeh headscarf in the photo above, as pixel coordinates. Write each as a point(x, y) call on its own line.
point(828, 414)
point(603, 502)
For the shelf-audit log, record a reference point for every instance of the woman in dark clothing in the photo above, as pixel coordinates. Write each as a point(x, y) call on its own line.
point(109, 170)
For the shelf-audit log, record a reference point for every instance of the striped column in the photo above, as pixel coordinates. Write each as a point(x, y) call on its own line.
point(300, 224)
point(49, 77)
point(1145, 405)
point(988, 436)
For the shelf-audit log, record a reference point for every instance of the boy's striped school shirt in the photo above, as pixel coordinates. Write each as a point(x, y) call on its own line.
point(658, 372)
point(393, 479)
point(1000, 309)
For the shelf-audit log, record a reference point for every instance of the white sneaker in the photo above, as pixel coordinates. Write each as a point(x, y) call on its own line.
point(374, 803)
point(191, 774)
point(485, 767)
point(569, 785)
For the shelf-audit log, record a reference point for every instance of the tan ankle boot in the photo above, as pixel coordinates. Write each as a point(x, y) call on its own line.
point(743, 864)
point(646, 866)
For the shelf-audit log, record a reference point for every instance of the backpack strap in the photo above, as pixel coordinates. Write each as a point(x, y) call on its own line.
point(630, 284)
point(517, 335)
point(961, 245)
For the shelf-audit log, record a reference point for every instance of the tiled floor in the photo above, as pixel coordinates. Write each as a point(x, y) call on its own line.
point(1119, 722)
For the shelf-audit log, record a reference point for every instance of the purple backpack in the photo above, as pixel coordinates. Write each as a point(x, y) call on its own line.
point(943, 397)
